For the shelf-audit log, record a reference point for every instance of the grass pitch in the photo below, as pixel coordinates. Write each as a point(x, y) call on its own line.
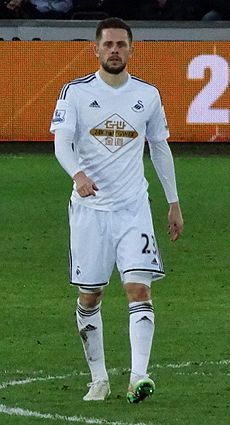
point(43, 374)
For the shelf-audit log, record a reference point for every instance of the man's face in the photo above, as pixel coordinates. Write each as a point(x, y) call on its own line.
point(162, 2)
point(114, 50)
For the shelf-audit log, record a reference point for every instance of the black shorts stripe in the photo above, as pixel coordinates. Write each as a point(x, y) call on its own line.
point(70, 253)
point(144, 270)
point(89, 286)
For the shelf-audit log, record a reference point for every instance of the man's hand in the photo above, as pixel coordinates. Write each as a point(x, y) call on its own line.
point(175, 221)
point(14, 4)
point(85, 186)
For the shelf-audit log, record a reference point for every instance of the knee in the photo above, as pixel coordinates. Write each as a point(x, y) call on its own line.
point(90, 300)
point(137, 292)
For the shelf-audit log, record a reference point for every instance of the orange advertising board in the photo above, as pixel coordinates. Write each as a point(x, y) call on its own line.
point(193, 78)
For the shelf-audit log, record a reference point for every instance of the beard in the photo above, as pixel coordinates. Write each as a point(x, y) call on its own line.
point(113, 70)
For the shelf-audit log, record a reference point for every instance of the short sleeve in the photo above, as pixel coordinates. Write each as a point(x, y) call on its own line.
point(157, 127)
point(65, 114)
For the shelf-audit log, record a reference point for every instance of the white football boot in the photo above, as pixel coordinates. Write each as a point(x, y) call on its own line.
point(98, 390)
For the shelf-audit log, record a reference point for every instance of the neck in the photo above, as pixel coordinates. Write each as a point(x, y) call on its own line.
point(114, 80)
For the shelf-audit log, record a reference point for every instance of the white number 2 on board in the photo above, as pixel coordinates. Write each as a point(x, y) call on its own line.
point(201, 110)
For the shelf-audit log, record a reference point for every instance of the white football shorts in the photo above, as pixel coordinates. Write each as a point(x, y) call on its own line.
point(101, 239)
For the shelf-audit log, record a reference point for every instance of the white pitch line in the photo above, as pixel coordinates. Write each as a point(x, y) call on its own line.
point(199, 374)
point(30, 380)
point(39, 378)
point(225, 362)
point(194, 373)
point(17, 411)
point(117, 371)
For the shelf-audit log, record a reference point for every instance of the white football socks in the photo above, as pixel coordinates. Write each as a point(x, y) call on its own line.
point(89, 324)
point(141, 330)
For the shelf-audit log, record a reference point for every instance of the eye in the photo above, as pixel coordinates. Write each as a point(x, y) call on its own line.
point(108, 43)
point(122, 44)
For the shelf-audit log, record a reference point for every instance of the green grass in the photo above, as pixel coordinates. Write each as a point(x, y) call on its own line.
point(37, 333)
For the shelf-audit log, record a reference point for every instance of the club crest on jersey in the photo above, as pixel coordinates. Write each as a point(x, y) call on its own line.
point(59, 116)
point(138, 107)
point(114, 132)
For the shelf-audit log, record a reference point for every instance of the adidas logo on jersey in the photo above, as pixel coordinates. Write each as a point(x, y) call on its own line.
point(94, 104)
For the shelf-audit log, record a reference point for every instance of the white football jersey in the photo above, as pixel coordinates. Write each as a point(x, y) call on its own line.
point(110, 126)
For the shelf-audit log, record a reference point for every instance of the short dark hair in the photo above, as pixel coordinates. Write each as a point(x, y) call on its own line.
point(113, 23)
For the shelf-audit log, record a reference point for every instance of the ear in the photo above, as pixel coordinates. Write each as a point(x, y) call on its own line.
point(131, 50)
point(95, 49)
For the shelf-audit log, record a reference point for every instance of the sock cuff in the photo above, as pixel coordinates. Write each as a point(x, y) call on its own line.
point(87, 311)
point(141, 307)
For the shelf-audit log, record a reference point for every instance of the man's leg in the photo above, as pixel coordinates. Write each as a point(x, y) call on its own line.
point(141, 331)
point(89, 323)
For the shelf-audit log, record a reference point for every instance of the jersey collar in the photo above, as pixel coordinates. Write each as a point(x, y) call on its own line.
point(111, 88)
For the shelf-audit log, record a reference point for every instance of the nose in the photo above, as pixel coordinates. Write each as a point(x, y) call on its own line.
point(115, 49)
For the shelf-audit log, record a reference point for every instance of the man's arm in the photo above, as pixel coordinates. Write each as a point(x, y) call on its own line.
point(64, 152)
point(67, 157)
point(162, 159)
